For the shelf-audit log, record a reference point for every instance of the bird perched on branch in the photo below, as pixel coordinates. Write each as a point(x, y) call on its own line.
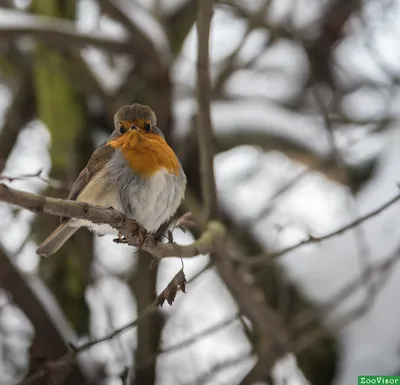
point(135, 172)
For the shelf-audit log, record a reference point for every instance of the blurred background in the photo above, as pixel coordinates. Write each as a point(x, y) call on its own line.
point(305, 100)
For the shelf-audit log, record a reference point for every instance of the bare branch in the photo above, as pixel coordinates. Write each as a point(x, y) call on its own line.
point(204, 125)
point(60, 33)
point(18, 114)
point(264, 258)
point(219, 367)
point(67, 359)
point(204, 333)
point(49, 341)
point(179, 23)
point(272, 333)
point(53, 183)
point(127, 227)
point(378, 272)
point(364, 254)
point(144, 46)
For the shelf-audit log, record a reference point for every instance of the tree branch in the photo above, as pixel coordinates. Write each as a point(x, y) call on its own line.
point(69, 358)
point(48, 342)
point(127, 227)
point(144, 45)
point(270, 330)
point(204, 125)
point(59, 33)
point(19, 112)
point(265, 258)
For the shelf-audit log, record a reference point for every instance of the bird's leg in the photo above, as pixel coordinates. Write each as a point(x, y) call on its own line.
point(139, 232)
point(142, 234)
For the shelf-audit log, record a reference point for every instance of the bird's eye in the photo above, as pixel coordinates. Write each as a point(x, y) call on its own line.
point(147, 127)
point(122, 129)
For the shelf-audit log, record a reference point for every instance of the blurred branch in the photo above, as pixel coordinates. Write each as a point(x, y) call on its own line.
point(59, 33)
point(67, 359)
point(296, 150)
point(378, 272)
point(272, 335)
point(204, 125)
point(18, 114)
point(328, 126)
point(89, 84)
point(127, 227)
point(219, 367)
point(270, 329)
point(231, 63)
point(53, 183)
point(381, 272)
point(267, 209)
point(48, 342)
point(179, 24)
point(259, 19)
point(139, 42)
point(252, 297)
point(320, 51)
point(363, 251)
point(204, 333)
point(229, 66)
point(267, 258)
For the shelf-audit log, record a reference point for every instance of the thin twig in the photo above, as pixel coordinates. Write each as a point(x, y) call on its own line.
point(268, 257)
point(62, 34)
point(204, 333)
point(378, 271)
point(53, 183)
point(364, 254)
point(69, 358)
point(219, 367)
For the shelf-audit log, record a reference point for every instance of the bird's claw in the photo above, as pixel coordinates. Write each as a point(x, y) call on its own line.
point(121, 239)
point(139, 232)
point(142, 234)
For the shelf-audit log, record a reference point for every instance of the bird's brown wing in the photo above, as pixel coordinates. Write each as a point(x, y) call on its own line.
point(96, 162)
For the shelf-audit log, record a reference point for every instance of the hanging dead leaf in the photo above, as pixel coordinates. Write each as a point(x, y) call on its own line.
point(124, 376)
point(169, 293)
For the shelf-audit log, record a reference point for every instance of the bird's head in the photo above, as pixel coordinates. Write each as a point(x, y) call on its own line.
point(141, 142)
point(135, 118)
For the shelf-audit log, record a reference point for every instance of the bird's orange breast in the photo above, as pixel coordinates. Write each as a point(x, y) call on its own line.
point(147, 153)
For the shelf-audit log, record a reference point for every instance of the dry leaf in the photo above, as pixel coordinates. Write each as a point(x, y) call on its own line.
point(169, 293)
point(124, 376)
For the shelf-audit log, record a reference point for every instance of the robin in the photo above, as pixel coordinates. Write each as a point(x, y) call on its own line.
point(136, 172)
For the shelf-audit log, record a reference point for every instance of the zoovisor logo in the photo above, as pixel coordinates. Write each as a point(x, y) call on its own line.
point(375, 380)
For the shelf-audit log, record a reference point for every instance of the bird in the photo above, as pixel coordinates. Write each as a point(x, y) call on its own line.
point(135, 172)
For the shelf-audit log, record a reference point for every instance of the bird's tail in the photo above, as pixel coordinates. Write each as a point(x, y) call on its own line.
point(56, 239)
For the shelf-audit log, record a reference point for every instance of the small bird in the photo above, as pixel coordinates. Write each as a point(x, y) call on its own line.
point(136, 172)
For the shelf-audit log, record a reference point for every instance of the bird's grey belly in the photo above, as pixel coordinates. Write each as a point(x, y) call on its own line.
point(152, 201)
